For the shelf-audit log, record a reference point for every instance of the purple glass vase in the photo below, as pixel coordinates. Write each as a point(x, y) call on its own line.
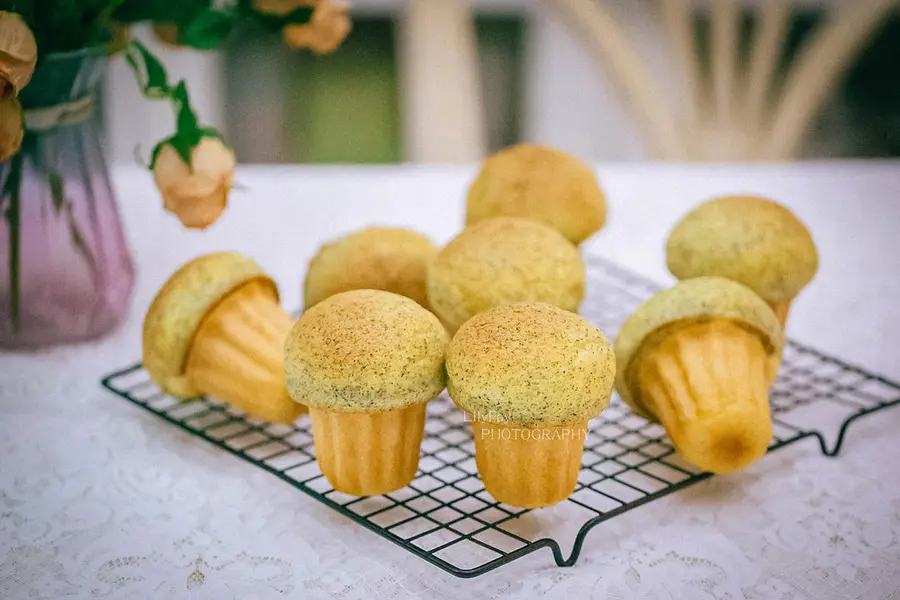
point(66, 273)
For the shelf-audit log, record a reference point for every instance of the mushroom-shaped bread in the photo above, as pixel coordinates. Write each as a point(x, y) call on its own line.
point(531, 376)
point(366, 362)
point(700, 358)
point(216, 328)
point(751, 240)
point(540, 183)
point(503, 261)
point(377, 258)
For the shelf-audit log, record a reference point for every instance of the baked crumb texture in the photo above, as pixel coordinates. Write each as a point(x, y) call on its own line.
point(530, 364)
point(365, 351)
point(502, 261)
point(751, 240)
point(377, 258)
point(529, 180)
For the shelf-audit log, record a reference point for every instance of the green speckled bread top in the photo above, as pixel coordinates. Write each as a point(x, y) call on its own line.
point(180, 306)
point(542, 183)
point(365, 351)
point(695, 300)
point(504, 260)
point(751, 240)
point(530, 364)
point(376, 258)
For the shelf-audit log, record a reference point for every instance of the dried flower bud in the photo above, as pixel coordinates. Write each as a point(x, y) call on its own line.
point(280, 8)
point(196, 194)
point(167, 33)
point(325, 31)
point(11, 126)
point(18, 53)
point(119, 35)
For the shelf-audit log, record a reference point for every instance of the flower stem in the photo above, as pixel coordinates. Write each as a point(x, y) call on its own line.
point(11, 188)
point(153, 80)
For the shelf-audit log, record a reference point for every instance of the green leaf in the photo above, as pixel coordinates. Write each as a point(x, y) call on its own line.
point(103, 24)
point(186, 124)
point(150, 72)
point(274, 23)
point(183, 146)
point(208, 29)
point(158, 11)
point(300, 15)
point(211, 132)
point(57, 190)
point(152, 77)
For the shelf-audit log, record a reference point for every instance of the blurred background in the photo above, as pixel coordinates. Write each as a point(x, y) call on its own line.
point(478, 76)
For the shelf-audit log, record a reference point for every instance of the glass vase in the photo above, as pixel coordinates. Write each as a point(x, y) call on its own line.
point(66, 273)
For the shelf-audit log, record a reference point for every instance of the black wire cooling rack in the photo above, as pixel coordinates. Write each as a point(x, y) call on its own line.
point(446, 517)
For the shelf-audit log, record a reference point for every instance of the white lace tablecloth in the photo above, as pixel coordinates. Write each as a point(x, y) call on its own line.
point(99, 499)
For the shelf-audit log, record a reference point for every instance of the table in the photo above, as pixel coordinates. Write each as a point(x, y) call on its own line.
point(99, 499)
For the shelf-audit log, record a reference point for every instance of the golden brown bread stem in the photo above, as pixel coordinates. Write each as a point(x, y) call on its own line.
point(529, 467)
point(708, 384)
point(238, 352)
point(781, 310)
point(367, 454)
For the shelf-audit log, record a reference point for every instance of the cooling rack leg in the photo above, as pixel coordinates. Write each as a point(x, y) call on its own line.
point(846, 425)
point(558, 556)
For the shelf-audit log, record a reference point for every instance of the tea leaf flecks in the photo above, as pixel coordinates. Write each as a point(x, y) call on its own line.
point(151, 74)
point(209, 28)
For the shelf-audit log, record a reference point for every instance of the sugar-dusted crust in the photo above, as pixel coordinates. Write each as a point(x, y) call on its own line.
point(751, 240)
point(365, 351)
point(538, 182)
point(527, 364)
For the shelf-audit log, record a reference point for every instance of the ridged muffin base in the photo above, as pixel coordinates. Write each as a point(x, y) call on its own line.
point(238, 355)
point(367, 454)
point(529, 467)
point(708, 384)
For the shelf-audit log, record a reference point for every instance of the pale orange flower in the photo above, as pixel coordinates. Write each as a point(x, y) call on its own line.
point(18, 53)
point(11, 126)
point(167, 33)
point(325, 31)
point(196, 193)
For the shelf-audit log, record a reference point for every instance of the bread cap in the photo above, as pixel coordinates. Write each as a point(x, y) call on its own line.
point(501, 261)
point(751, 240)
point(530, 364)
point(697, 299)
point(542, 183)
point(180, 306)
point(377, 258)
point(365, 351)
